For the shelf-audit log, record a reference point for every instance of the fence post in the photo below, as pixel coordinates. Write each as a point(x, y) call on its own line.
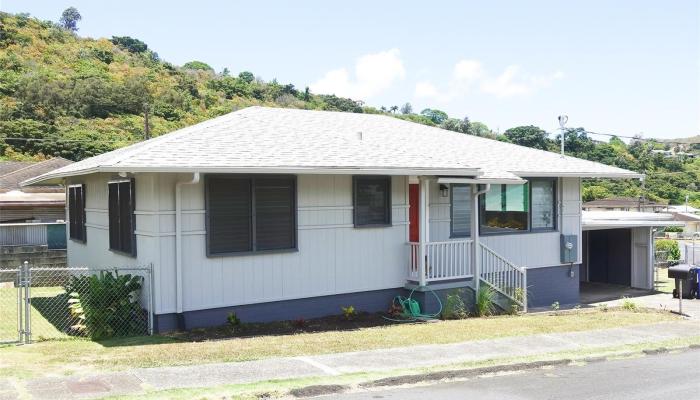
point(20, 306)
point(27, 303)
point(151, 300)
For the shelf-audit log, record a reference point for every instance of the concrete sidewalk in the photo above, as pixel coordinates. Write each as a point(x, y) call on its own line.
point(210, 375)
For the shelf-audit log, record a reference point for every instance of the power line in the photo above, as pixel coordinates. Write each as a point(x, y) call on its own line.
point(641, 139)
point(72, 140)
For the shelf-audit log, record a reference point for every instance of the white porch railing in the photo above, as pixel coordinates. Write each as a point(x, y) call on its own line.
point(443, 260)
point(504, 276)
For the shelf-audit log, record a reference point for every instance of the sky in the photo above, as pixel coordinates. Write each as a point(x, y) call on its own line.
point(622, 67)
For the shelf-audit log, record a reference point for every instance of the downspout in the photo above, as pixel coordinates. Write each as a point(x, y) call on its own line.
point(475, 235)
point(178, 242)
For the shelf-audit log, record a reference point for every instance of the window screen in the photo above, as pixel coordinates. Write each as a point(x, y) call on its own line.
point(250, 214)
point(543, 204)
point(372, 201)
point(461, 209)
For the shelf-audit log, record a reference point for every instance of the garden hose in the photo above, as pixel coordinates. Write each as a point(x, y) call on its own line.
point(411, 309)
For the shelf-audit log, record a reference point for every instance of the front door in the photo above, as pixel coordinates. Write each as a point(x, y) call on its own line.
point(413, 213)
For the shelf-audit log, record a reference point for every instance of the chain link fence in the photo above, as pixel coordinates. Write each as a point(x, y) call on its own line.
point(44, 303)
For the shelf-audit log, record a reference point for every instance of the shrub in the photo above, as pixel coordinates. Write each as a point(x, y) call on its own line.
point(673, 252)
point(454, 306)
point(555, 306)
point(299, 323)
point(485, 301)
point(233, 319)
point(603, 307)
point(349, 312)
point(629, 305)
point(106, 305)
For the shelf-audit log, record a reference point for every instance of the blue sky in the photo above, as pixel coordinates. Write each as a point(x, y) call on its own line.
point(625, 67)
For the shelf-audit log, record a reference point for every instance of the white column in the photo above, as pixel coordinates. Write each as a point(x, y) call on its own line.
point(476, 254)
point(423, 226)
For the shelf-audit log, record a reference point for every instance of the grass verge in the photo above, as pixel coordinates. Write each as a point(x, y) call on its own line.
point(76, 356)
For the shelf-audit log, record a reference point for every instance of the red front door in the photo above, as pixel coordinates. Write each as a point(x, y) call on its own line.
point(413, 213)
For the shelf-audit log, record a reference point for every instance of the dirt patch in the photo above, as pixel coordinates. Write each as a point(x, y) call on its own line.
point(318, 390)
point(325, 324)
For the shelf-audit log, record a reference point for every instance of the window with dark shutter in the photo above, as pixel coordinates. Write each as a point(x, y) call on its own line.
point(76, 213)
point(372, 200)
point(122, 220)
point(250, 213)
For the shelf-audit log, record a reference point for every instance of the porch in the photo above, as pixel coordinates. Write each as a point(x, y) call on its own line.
point(458, 259)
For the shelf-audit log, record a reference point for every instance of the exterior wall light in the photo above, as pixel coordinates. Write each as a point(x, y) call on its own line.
point(444, 190)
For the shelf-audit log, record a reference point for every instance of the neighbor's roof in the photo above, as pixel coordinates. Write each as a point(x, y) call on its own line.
point(686, 217)
point(592, 220)
point(622, 202)
point(276, 140)
point(12, 173)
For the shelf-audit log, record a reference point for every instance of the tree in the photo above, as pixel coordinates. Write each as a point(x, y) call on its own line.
point(479, 129)
point(529, 136)
point(129, 44)
point(198, 66)
point(69, 19)
point(595, 192)
point(437, 116)
point(407, 108)
point(247, 77)
point(394, 109)
point(225, 72)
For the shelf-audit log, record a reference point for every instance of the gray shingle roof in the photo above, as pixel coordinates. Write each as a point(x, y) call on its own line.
point(13, 173)
point(261, 139)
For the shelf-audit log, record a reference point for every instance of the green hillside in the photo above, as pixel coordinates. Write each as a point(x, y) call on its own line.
point(65, 95)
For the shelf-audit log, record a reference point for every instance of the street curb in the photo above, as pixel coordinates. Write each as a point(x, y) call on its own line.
point(318, 390)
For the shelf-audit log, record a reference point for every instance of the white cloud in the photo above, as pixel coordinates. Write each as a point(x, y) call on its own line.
point(373, 74)
point(470, 75)
point(426, 90)
point(512, 82)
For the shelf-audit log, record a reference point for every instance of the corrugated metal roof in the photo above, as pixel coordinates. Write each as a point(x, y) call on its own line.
point(262, 139)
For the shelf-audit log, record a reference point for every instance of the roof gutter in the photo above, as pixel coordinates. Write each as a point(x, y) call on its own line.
point(178, 238)
point(549, 174)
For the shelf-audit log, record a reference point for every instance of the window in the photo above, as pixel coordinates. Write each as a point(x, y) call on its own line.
point(505, 208)
point(372, 200)
point(122, 221)
point(461, 210)
point(543, 204)
point(519, 208)
point(76, 213)
point(250, 213)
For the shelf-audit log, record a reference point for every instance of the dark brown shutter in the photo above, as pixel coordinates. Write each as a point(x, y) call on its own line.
point(275, 224)
point(72, 210)
point(126, 214)
point(230, 215)
point(83, 218)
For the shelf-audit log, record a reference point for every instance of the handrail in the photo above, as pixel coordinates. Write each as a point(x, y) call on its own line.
point(508, 279)
point(444, 260)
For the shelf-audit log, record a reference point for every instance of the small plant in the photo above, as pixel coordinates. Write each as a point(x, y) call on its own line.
point(454, 306)
point(555, 306)
point(233, 320)
point(485, 301)
point(395, 310)
point(603, 307)
point(299, 323)
point(349, 313)
point(629, 305)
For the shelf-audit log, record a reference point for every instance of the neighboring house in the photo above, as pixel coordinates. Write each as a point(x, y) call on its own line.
point(618, 246)
point(690, 221)
point(623, 204)
point(44, 203)
point(281, 213)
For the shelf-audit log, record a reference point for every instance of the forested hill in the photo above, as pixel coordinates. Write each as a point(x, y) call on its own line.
point(65, 95)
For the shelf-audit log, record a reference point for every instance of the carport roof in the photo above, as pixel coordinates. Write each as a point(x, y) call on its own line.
point(593, 220)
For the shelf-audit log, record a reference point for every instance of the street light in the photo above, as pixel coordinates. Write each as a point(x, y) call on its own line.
point(563, 119)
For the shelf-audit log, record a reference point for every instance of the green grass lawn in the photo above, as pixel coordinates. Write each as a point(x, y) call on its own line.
point(80, 355)
point(48, 313)
point(663, 282)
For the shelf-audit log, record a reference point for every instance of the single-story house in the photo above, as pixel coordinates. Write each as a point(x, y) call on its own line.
point(618, 247)
point(282, 213)
point(45, 203)
point(690, 223)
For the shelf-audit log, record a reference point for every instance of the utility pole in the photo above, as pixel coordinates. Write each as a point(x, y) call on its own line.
point(146, 127)
point(563, 119)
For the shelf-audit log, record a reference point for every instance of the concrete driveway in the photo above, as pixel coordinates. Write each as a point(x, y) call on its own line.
point(595, 294)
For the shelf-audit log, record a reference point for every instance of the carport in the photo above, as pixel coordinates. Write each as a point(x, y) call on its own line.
point(618, 253)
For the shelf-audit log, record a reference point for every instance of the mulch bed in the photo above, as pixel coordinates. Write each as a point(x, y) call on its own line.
point(325, 324)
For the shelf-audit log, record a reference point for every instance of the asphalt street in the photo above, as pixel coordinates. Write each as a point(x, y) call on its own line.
point(661, 376)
